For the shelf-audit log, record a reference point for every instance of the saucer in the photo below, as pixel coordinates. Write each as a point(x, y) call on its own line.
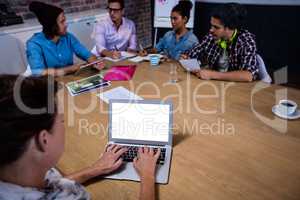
point(295, 115)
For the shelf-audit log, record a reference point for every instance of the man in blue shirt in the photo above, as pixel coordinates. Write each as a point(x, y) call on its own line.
point(51, 51)
point(180, 39)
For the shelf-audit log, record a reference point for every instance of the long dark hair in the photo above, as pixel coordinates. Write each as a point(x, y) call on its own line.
point(51, 32)
point(18, 126)
point(183, 8)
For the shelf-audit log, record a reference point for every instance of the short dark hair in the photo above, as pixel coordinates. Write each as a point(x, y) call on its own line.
point(232, 15)
point(16, 125)
point(121, 2)
point(183, 8)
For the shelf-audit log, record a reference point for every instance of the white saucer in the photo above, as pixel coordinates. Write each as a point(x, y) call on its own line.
point(295, 115)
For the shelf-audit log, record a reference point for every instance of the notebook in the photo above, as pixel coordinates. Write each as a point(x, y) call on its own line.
point(124, 55)
point(120, 73)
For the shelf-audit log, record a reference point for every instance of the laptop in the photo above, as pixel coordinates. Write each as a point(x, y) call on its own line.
point(136, 123)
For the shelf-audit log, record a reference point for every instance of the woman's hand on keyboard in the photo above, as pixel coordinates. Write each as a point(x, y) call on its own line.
point(145, 163)
point(110, 160)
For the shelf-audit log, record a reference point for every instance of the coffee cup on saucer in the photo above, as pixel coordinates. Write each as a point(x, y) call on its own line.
point(286, 107)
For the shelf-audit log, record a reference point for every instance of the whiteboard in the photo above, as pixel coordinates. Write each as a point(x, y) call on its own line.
point(162, 12)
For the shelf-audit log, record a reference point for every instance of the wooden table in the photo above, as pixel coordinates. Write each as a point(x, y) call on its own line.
point(241, 157)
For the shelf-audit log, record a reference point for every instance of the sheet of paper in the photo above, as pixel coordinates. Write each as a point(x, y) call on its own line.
point(136, 59)
point(190, 64)
point(144, 58)
point(124, 55)
point(118, 93)
point(127, 54)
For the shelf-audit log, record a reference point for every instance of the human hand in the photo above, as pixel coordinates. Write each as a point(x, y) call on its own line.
point(143, 53)
point(115, 54)
point(204, 74)
point(99, 65)
point(72, 69)
point(145, 163)
point(184, 56)
point(109, 160)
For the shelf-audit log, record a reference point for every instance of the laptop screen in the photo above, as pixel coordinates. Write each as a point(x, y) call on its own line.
point(140, 121)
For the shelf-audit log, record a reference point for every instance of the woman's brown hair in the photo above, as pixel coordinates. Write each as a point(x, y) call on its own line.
point(17, 125)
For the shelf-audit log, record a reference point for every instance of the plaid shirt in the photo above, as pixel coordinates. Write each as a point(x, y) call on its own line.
point(241, 52)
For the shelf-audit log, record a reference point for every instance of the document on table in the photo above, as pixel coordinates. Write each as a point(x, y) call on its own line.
point(124, 55)
point(137, 59)
point(118, 93)
point(86, 84)
point(190, 64)
point(144, 58)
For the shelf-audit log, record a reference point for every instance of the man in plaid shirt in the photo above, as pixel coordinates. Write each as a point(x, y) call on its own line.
point(228, 52)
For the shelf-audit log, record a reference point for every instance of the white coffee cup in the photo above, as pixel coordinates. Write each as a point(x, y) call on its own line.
point(286, 107)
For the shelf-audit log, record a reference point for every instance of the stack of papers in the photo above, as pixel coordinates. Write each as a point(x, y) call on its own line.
point(144, 58)
point(190, 64)
point(86, 84)
point(118, 93)
point(137, 59)
point(124, 55)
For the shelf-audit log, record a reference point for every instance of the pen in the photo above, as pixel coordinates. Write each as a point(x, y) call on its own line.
point(116, 49)
point(141, 47)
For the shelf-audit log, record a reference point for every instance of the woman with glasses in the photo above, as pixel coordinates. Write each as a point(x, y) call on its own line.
point(115, 34)
point(180, 39)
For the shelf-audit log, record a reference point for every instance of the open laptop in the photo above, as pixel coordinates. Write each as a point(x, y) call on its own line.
point(135, 123)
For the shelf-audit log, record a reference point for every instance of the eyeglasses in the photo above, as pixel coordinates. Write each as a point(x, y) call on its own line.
point(110, 10)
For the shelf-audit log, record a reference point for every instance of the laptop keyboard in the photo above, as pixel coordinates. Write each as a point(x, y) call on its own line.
point(132, 151)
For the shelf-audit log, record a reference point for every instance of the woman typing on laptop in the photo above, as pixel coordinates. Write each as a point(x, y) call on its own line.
point(31, 145)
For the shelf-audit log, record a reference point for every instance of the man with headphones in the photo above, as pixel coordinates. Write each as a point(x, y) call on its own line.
point(228, 52)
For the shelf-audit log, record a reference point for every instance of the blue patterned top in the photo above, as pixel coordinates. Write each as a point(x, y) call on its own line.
point(173, 48)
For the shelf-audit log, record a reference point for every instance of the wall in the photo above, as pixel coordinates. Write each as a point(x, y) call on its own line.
point(137, 10)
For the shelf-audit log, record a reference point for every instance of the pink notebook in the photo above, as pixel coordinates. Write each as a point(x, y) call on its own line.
point(120, 73)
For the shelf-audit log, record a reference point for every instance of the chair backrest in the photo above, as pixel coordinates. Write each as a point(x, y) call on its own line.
point(28, 71)
point(263, 73)
point(11, 56)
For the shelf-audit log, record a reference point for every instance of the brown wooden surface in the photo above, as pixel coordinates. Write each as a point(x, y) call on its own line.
point(255, 161)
